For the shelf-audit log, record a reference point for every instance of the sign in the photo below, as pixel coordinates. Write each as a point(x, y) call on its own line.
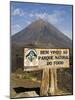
point(52, 58)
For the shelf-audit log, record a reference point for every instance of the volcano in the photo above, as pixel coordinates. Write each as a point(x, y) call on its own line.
point(41, 34)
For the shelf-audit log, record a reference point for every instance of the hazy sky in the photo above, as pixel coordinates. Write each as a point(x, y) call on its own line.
point(23, 14)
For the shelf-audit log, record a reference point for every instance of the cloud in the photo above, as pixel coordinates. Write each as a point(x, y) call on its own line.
point(18, 11)
point(28, 22)
point(15, 28)
point(54, 18)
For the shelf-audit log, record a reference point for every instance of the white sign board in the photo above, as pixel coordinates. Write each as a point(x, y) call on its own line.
point(52, 58)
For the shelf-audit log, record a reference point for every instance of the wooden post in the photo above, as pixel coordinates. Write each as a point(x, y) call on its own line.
point(45, 82)
point(53, 88)
point(55, 72)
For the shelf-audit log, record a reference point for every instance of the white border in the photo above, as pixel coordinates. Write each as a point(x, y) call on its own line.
point(5, 48)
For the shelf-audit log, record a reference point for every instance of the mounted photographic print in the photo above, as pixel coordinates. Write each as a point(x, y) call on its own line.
point(41, 49)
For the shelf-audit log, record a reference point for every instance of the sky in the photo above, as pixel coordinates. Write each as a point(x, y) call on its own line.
point(23, 14)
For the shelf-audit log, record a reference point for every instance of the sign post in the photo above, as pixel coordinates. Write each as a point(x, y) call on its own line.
point(45, 82)
point(53, 87)
point(46, 59)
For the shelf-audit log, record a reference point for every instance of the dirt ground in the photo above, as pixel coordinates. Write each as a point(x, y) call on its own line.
point(25, 85)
